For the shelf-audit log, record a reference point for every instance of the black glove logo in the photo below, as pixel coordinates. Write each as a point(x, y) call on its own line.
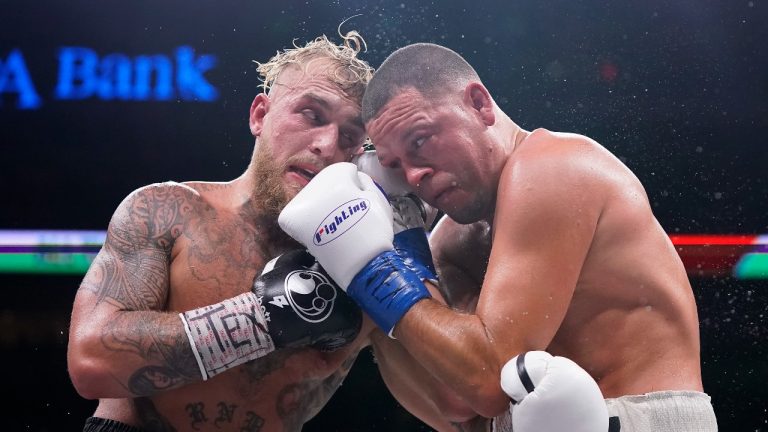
point(310, 294)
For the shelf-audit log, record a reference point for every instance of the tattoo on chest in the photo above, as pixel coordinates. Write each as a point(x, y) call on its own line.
point(295, 404)
point(222, 253)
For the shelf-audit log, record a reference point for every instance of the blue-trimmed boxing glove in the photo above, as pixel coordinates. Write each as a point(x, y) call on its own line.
point(410, 240)
point(410, 215)
point(345, 221)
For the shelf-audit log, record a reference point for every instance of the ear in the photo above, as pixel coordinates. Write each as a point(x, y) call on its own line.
point(259, 109)
point(478, 98)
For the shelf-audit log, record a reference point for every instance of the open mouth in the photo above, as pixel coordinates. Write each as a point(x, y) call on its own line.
point(308, 174)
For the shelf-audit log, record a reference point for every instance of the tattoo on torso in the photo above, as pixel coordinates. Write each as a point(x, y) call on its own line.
point(299, 402)
point(221, 253)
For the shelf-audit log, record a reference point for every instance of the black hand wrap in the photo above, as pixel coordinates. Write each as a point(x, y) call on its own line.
point(303, 306)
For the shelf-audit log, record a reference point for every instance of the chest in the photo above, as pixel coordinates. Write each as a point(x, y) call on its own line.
point(213, 260)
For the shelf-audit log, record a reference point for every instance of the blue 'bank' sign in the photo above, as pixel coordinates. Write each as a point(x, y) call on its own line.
point(83, 74)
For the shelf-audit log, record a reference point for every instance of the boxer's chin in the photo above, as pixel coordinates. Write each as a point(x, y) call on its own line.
point(469, 213)
point(271, 193)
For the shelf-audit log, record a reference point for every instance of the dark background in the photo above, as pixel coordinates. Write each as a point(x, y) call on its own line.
point(677, 90)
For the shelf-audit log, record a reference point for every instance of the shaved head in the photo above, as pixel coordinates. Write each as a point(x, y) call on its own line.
point(433, 70)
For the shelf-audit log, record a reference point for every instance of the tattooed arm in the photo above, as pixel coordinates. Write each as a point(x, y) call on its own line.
point(121, 344)
point(461, 255)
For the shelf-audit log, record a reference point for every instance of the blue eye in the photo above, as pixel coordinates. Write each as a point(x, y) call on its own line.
point(419, 142)
point(310, 114)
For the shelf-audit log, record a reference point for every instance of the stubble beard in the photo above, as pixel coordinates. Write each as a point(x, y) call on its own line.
point(473, 212)
point(270, 195)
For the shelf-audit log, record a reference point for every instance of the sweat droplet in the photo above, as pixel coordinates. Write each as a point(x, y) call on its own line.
point(453, 183)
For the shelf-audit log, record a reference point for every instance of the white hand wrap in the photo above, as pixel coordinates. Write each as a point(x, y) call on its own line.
point(227, 334)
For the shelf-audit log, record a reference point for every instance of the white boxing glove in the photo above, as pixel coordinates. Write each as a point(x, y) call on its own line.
point(342, 218)
point(409, 211)
point(390, 179)
point(410, 215)
point(345, 221)
point(552, 394)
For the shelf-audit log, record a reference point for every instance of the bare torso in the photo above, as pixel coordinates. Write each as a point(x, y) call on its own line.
point(632, 322)
point(216, 257)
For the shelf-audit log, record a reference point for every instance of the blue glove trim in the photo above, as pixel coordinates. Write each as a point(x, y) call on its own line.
point(386, 288)
point(413, 246)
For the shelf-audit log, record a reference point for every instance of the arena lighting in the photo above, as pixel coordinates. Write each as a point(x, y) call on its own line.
point(48, 251)
point(71, 252)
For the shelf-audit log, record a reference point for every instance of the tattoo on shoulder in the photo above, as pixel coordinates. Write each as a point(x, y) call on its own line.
point(132, 268)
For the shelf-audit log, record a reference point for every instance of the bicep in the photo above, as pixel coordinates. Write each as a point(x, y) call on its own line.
point(542, 233)
point(131, 271)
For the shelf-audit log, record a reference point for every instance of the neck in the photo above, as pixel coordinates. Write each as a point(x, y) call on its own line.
point(509, 135)
point(247, 203)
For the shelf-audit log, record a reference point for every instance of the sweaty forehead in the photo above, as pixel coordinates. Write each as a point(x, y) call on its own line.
point(398, 114)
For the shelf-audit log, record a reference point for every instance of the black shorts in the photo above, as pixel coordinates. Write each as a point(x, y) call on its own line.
point(98, 424)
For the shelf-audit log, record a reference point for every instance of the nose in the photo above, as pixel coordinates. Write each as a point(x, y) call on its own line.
point(415, 174)
point(325, 143)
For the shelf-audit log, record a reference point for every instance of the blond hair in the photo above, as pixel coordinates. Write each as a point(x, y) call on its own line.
point(351, 74)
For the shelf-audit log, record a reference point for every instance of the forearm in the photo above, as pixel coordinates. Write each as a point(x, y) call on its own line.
point(457, 350)
point(415, 388)
point(130, 354)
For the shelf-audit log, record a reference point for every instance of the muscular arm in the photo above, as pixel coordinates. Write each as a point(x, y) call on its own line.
point(418, 391)
point(121, 344)
point(543, 225)
point(461, 275)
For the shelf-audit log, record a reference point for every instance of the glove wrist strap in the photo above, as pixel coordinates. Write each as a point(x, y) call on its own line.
point(386, 288)
point(413, 246)
point(227, 334)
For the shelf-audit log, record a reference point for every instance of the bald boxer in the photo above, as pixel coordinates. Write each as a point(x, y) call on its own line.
point(578, 264)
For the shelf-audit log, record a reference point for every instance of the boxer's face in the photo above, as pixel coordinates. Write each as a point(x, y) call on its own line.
point(442, 147)
point(305, 124)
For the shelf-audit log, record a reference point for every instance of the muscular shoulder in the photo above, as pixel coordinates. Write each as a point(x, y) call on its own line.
point(556, 149)
point(564, 164)
point(154, 214)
